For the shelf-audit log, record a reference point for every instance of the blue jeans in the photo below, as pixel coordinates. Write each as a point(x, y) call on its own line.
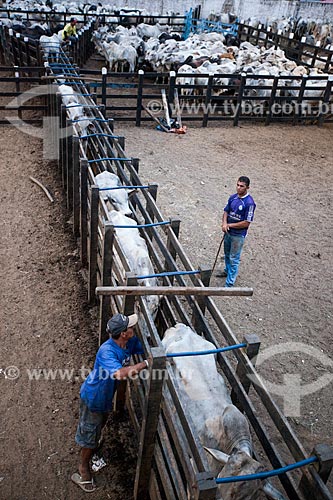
point(233, 246)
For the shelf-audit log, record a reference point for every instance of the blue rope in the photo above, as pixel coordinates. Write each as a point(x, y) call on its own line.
point(143, 225)
point(264, 475)
point(104, 159)
point(120, 187)
point(99, 134)
point(171, 273)
point(203, 353)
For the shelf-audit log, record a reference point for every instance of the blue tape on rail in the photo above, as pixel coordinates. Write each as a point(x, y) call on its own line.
point(203, 353)
point(100, 135)
point(169, 273)
point(121, 187)
point(97, 160)
point(90, 118)
point(139, 226)
point(266, 474)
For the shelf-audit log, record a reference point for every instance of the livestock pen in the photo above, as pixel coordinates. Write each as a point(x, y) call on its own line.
point(300, 51)
point(179, 463)
point(282, 99)
point(227, 97)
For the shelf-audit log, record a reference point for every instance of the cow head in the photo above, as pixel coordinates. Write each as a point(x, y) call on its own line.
point(239, 463)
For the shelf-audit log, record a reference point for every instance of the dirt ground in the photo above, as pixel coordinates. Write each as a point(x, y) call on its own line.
point(46, 323)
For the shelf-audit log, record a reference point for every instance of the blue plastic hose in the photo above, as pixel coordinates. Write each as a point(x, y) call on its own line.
point(203, 353)
point(266, 474)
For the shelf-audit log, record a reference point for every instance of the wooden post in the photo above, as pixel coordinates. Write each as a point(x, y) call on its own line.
point(324, 452)
point(107, 259)
point(239, 99)
point(252, 350)
point(27, 51)
point(205, 275)
point(83, 209)
point(103, 88)
point(325, 102)
point(15, 50)
point(328, 61)
point(151, 415)
point(93, 242)
point(175, 227)
point(129, 300)
point(63, 146)
point(76, 185)
point(298, 113)
point(139, 98)
point(17, 88)
point(153, 192)
point(121, 142)
point(271, 100)
point(128, 307)
point(135, 165)
point(314, 58)
point(310, 488)
point(207, 100)
point(20, 49)
point(206, 487)
point(171, 90)
point(69, 165)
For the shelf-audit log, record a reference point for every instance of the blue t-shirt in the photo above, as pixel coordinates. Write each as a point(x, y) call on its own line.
point(98, 389)
point(239, 209)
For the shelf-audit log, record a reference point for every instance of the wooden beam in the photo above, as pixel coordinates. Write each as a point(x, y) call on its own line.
point(174, 290)
point(149, 425)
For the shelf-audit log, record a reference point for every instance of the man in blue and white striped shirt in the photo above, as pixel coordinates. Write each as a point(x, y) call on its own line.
point(237, 216)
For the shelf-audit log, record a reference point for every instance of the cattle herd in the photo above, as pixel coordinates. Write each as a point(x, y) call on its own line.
point(158, 48)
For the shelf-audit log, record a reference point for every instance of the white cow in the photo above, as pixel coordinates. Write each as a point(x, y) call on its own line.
point(222, 429)
point(136, 253)
point(50, 45)
point(68, 95)
point(75, 109)
point(117, 197)
point(185, 80)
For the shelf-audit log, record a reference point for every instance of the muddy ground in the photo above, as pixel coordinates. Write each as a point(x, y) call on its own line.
point(46, 323)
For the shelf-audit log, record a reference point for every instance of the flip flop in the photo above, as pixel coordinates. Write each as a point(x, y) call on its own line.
point(87, 486)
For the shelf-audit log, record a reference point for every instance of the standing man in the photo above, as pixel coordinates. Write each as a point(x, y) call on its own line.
point(69, 32)
point(97, 391)
point(237, 216)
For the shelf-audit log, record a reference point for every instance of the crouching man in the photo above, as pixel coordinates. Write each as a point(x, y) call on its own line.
point(69, 32)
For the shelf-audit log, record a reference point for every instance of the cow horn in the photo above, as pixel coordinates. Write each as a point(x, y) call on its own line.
point(272, 492)
point(218, 455)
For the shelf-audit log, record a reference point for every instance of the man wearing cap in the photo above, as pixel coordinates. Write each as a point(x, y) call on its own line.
point(69, 32)
point(112, 364)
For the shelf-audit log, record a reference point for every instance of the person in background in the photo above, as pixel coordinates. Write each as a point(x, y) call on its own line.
point(97, 391)
point(69, 32)
point(237, 216)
